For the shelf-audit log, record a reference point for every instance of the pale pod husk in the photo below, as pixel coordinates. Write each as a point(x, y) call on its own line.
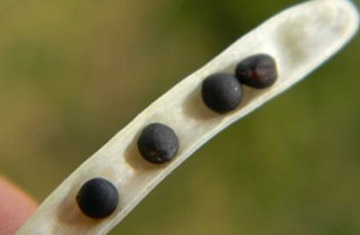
point(300, 39)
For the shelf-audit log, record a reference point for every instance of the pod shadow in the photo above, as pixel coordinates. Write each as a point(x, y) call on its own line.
point(135, 160)
point(194, 107)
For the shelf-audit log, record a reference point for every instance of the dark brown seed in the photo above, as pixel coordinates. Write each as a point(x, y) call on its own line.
point(97, 198)
point(257, 71)
point(158, 143)
point(221, 92)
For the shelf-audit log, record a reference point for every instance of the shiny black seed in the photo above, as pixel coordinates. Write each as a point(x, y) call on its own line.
point(158, 143)
point(258, 71)
point(97, 198)
point(221, 92)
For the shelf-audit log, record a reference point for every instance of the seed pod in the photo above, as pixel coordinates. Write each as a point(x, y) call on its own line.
point(320, 28)
point(158, 143)
point(221, 92)
point(97, 198)
point(258, 71)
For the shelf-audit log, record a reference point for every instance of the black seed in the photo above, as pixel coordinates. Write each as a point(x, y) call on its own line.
point(258, 71)
point(97, 198)
point(221, 92)
point(158, 143)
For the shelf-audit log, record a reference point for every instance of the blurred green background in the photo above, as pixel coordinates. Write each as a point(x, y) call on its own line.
point(73, 73)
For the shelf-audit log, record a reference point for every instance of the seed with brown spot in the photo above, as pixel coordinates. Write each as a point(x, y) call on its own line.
point(158, 143)
point(257, 71)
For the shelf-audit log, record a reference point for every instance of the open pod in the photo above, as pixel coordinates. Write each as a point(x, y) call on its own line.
point(300, 39)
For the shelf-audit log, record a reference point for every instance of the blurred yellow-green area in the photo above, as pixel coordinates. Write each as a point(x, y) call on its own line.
point(74, 72)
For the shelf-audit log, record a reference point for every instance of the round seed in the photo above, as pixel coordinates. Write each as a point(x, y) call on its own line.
point(221, 92)
point(97, 198)
point(158, 143)
point(258, 71)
